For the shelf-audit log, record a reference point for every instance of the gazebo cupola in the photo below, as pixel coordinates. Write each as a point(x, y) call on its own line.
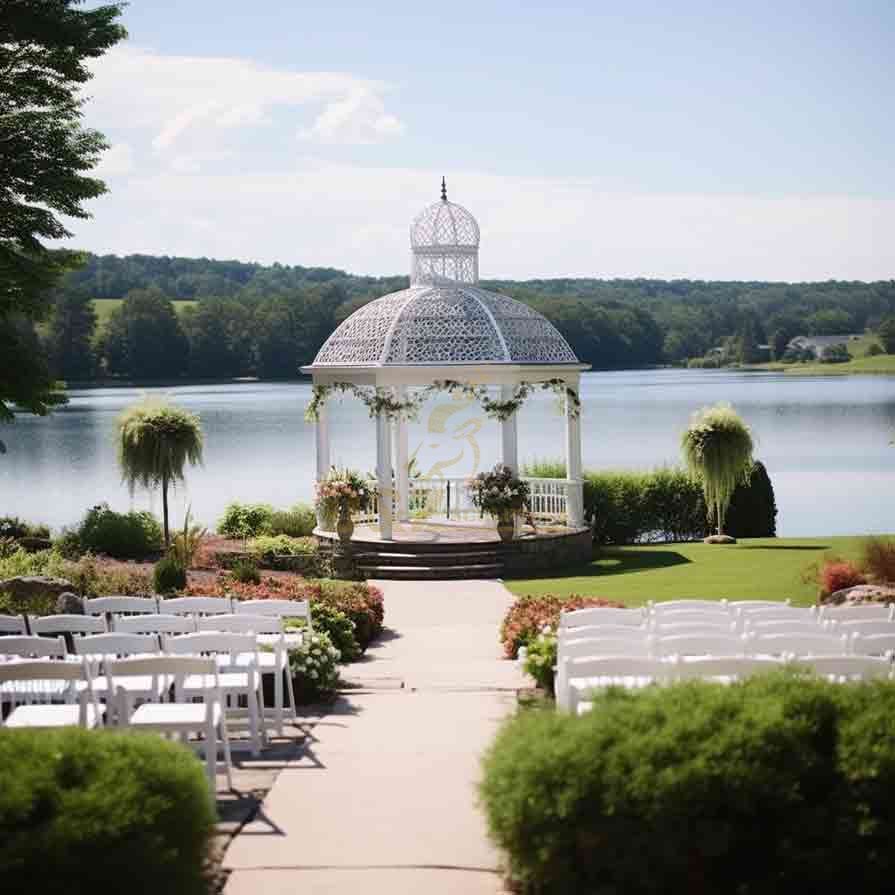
point(445, 331)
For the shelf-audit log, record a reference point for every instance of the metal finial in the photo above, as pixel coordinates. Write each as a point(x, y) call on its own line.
point(443, 190)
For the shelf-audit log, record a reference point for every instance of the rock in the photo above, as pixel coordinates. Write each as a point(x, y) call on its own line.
point(69, 604)
point(862, 593)
point(719, 539)
point(26, 587)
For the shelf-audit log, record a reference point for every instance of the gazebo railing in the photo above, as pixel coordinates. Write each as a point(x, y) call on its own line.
point(448, 499)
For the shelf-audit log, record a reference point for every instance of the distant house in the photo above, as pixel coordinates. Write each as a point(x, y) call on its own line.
point(818, 345)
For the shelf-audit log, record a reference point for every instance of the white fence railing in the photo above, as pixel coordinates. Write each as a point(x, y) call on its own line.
point(447, 499)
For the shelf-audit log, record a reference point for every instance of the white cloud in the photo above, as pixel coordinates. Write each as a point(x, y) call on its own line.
point(356, 218)
point(117, 160)
point(359, 118)
point(191, 98)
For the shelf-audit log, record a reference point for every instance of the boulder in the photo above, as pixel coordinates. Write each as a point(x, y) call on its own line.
point(719, 539)
point(33, 545)
point(69, 604)
point(862, 593)
point(27, 587)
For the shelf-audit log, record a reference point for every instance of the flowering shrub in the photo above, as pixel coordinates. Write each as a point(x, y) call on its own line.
point(541, 659)
point(528, 616)
point(269, 588)
point(314, 667)
point(335, 624)
point(837, 575)
point(499, 493)
point(343, 491)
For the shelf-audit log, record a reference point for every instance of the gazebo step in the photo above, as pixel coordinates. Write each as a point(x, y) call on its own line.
point(420, 573)
point(457, 558)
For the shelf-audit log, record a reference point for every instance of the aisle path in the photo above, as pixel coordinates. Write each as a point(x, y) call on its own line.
point(383, 798)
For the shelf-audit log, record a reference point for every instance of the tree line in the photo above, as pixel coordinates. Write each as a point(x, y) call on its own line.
point(267, 321)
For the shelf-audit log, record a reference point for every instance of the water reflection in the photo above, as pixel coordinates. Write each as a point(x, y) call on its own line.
point(825, 442)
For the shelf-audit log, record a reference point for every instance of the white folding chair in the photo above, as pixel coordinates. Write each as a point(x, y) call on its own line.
point(687, 606)
point(277, 609)
point(600, 615)
point(236, 657)
point(120, 605)
point(268, 631)
point(24, 646)
point(181, 717)
point(13, 624)
point(156, 624)
point(777, 613)
point(587, 675)
point(716, 645)
point(66, 624)
point(104, 647)
point(796, 645)
point(720, 669)
point(195, 606)
point(845, 669)
point(866, 645)
point(691, 616)
point(636, 646)
point(864, 612)
point(43, 678)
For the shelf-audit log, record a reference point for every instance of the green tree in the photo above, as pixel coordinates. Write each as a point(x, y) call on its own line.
point(275, 340)
point(155, 442)
point(717, 448)
point(44, 157)
point(748, 339)
point(70, 341)
point(886, 333)
point(144, 338)
point(219, 333)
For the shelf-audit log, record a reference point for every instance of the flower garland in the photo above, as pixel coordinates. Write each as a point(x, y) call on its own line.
point(381, 401)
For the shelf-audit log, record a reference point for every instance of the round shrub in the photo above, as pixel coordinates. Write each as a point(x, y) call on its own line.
point(361, 602)
point(122, 535)
point(245, 520)
point(837, 574)
point(96, 811)
point(783, 783)
point(168, 576)
point(297, 522)
point(314, 667)
point(339, 628)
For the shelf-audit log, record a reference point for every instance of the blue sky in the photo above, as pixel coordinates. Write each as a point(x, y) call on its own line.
point(688, 139)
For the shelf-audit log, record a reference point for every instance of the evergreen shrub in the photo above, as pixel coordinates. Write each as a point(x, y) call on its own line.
point(168, 576)
point(753, 510)
point(133, 535)
point(97, 811)
point(783, 783)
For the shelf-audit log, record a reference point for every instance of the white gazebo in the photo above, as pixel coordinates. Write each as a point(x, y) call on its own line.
point(445, 332)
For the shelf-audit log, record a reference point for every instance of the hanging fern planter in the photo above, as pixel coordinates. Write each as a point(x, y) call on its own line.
point(717, 449)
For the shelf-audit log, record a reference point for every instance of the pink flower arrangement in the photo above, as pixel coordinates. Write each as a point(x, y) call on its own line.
point(343, 491)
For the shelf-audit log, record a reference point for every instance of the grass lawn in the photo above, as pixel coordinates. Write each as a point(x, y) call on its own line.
point(105, 306)
point(757, 569)
point(881, 364)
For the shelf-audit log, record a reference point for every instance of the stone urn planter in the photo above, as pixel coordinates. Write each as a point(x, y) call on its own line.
point(344, 527)
point(506, 528)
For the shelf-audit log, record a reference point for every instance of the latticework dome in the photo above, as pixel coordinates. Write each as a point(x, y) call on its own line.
point(444, 317)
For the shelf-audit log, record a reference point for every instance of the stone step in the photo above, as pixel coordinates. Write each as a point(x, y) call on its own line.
point(447, 546)
point(459, 558)
point(439, 573)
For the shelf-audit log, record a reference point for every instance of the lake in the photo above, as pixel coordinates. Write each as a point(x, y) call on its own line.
point(825, 442)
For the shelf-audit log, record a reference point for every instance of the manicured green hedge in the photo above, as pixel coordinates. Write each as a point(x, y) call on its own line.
point(122, 535)
point(99, 812)
point(780, 784)
point(667, 505)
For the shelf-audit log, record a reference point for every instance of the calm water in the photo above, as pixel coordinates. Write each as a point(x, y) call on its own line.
point(825, 443)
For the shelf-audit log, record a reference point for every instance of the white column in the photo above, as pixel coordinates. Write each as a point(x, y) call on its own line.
point(401, 473)
point(573, 465)
point(509, 433)
point(321, 435)
point(384, 475)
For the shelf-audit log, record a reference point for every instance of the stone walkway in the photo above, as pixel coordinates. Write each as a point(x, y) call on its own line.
point(382, 799)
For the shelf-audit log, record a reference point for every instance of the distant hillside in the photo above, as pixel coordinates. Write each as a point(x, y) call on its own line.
point(241, 318)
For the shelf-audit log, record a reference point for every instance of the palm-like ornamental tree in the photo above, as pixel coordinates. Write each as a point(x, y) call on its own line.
point(717, 449)
point(155, 441)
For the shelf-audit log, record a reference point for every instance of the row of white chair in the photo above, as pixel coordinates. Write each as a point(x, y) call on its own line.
point(110, 613)
point(594, 673)
point(75, 698)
